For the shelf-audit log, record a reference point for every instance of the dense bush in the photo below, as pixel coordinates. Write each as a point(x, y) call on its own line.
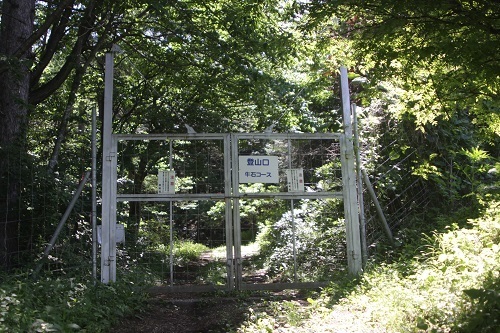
point(319, 241)
point(446, 281)
point(63, 304)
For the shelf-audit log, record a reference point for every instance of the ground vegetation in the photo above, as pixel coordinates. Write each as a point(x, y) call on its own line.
point(425, 77)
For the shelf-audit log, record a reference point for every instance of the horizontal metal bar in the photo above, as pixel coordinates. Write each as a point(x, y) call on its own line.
point(158, 290)
point(283, 136)
point(283, 286)
point(220, 136)
point(181, 136)
point(290, 195)
point(169, 197)
point(245, 286)
point(221, 196)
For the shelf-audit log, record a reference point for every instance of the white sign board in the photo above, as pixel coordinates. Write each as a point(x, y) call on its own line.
point(295, 180)
point(119, 233)
point(258, 169)
point(166, 181)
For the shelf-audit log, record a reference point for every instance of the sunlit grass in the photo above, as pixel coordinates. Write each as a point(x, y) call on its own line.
point(427, 291)
point(188, 250)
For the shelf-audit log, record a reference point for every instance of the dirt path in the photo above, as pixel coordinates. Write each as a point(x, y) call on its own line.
point(186, 313)
point(168, 312)
point(176, 313)
point(192, 312)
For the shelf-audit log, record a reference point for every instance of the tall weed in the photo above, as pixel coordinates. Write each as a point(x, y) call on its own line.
point(434, 297)
point(447, 283)
point(61, 304)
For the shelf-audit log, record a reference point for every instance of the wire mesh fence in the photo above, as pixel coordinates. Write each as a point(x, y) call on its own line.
point(319, 160)
point(389, 160)
point(302, 240)
point(198, 165)
point(34, 197)
point(179, 242)
point(29, 225)
point(185, 241)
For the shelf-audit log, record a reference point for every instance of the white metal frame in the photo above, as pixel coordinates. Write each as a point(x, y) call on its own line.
point(231, 194)
point(289, 137)
point(231, 197)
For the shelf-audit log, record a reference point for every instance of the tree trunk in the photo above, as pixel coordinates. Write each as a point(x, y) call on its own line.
point(16, 27)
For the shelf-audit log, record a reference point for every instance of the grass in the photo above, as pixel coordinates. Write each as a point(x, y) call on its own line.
point(63, 304)
point(188, 250)
point(446, 282)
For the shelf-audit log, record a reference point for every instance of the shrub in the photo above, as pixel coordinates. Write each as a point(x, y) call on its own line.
point(319, 241)
point(63, 304)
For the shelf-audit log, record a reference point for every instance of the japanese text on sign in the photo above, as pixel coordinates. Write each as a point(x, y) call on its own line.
point(295, 180)
point(258, 169)
point(166, 181)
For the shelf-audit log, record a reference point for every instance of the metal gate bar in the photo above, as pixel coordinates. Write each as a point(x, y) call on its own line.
point(231, 198)
point(291, 196)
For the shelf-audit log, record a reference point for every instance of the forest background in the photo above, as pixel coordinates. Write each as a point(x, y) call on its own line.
point(427, 70)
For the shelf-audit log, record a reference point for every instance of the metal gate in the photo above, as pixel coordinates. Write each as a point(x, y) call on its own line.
point(190, 176)
point(223, 173)
point(297, 157)
point(244, 161)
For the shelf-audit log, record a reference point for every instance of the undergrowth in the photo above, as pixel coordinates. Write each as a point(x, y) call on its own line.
point(63, 304)
point(446, 282)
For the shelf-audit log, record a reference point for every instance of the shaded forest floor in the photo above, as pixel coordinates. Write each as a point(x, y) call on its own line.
point(168, 312)
point(173, 313)
point(184, 313)
point(206, 312)
point(278, 312)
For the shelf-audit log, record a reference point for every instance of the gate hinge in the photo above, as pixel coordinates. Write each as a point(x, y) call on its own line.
point(111, 156)
point(108, 262)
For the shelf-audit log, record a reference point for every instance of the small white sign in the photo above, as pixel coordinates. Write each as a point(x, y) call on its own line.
point(258, 169)
point(166, 181)
point(295, 180)
point(119, 234)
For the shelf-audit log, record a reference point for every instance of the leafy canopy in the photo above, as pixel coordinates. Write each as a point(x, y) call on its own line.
point(443, 53)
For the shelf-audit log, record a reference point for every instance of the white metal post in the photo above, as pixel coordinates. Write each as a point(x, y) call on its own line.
point(292, 211)
point(108, 246)
point(359, 180)
point(171, 215)
point(236, 212)
point(112, 211)
point(94, 194)
point(228, 212)
point(354, 256)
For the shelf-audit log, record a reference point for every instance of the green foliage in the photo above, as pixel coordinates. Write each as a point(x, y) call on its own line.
point(443, 282)
point(485, 312)
point(447, 152)
point(319, 242)
point(154, 232)
point(431, 297)
point(187, 250)
point(54, 304)
point(429, 78)
point(475, 165)
point(426, 65)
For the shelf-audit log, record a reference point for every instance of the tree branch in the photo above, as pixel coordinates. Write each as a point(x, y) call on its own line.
point(84, 33)
point(28, 43)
